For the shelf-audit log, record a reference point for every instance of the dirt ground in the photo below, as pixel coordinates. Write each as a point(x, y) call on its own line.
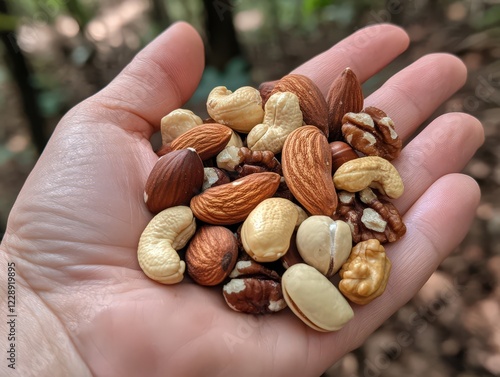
point(451, 327)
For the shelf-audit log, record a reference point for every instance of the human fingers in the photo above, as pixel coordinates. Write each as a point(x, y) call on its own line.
point(161, 78)
point(444, 146)
point(413, 94)
point(437, 223)
point(366, 51)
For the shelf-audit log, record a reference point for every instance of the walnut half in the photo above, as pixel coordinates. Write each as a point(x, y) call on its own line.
point(372, 133)
point(370, 216)
point(365, 273)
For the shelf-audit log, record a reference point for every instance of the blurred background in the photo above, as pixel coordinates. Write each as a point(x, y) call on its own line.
point(55, 53)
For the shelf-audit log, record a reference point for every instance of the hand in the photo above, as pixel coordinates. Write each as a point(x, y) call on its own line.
point(87, 308)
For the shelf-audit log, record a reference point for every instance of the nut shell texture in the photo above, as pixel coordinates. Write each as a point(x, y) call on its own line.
point(314, 299)
point(366, 272)
point(345, 95)
point(207, 139)
point(211, 255)
point(254, 296)
point(307, 167)
point(231, 203)
point(174, 180)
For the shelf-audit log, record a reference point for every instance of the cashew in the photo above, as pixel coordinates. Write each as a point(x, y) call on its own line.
point(168, 231)
point(283, 115)
point(268, 229)
point(371, 171)
point(176, 123)
point(324, 243)
point(240, 110)
point(314, 299)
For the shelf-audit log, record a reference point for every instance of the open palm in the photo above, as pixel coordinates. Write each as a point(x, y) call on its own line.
point(74, 229)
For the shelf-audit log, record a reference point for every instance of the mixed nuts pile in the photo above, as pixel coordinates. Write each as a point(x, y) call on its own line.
point(273, 195)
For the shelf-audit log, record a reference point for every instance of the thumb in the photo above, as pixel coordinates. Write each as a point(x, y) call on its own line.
point(161, 78)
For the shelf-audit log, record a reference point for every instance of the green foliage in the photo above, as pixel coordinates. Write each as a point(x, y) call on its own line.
point(490, 18)
point(8, 22)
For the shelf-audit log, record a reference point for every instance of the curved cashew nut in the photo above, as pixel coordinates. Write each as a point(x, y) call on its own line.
point(168, 231)
point(176, 123)
point(324, 243)
point(240, 110)
point(268, 229)
point(372, 171)
point(283, 115)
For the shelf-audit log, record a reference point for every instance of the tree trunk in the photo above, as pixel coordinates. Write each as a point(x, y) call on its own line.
point(22, 75)
point(222, 41)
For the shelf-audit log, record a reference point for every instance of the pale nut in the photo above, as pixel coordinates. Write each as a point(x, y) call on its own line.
point(176, 123)
point(365, 273)
point(168, 231)
point(232, 202)
point(211, 255)
point(174, 180)
point(283, 115)
point(371, 171)
point(312, 102)
point(267, 230)
point(208, 139)
point(307, 167)
point(229, 158)
point(240, 110)
point(324, 244)
point(314, 299)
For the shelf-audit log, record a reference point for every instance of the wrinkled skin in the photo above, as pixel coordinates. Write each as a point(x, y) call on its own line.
point(86, 307)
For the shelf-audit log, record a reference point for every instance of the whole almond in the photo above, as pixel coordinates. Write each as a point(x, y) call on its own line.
point(174, 180)
point(207, 139)
point(211, 254)
point(231, 203)
point(345, 95)
point(312, 103)
point(307, 167)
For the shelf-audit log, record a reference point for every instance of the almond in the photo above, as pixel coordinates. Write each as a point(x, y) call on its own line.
point(345, 96)
point(231, 203)
point(211, 254)
point(312, 103)
point(174, 180)
point(208, 139)
point(307, 167)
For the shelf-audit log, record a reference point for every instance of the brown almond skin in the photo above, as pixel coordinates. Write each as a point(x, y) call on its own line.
point(231, 203)
point(345, 95)
point(174, 180)
point(307, 167)
point(207, 139)
point(211, 254)
point(312, 103)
